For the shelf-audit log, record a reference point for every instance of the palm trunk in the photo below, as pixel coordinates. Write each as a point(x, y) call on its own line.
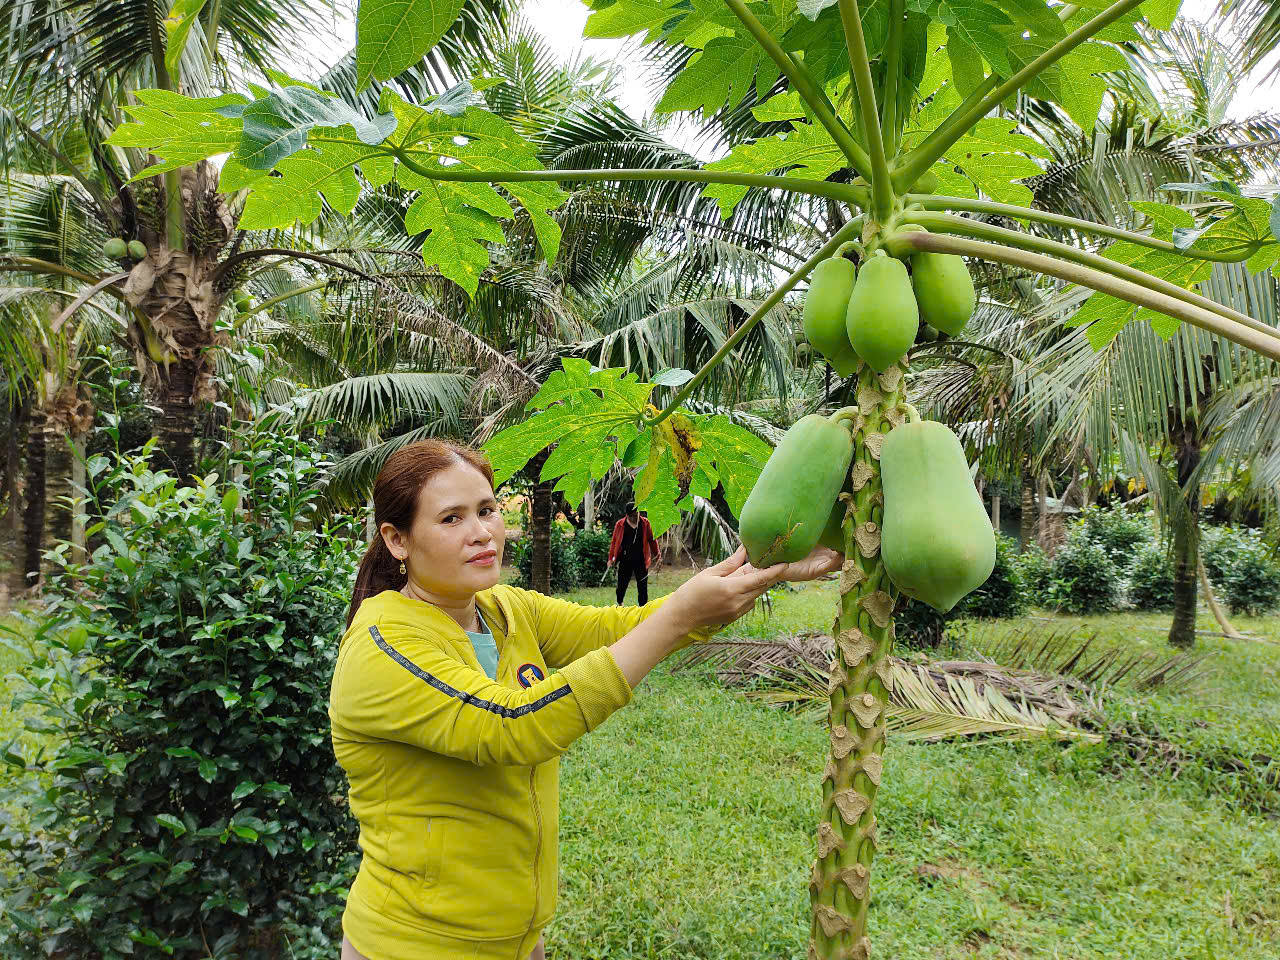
point(839, 890)
point(33, 517)
point(540, 522)
point(13, 470)
point(175, 290)
point(58, 490)
point(1186, 540)
point(1027, 521)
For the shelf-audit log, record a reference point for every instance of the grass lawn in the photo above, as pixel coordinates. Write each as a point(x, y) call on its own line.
point(688, 821)
point(688, 824)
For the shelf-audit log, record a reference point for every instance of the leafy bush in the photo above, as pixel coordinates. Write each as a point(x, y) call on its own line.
point(1036, 569)
point(1117, 531)
point(1084, 579)
point(188, 800)
point(591, 548)
point(1151, 579)
point(1244, 569)
point(564, 561)
point(1004, 594)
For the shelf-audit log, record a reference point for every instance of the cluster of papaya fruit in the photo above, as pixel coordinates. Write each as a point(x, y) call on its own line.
point(935, 539)
point(875, 312)
point(117, 249)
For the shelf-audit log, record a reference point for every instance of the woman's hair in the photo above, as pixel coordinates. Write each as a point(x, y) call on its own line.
point(395, 501)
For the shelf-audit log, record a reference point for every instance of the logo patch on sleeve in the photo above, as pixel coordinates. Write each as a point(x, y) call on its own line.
point(529, 673)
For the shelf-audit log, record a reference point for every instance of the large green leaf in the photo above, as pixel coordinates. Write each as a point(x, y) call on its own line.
point(393, 35)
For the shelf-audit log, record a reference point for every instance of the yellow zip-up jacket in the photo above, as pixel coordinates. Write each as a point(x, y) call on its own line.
point(454, 778)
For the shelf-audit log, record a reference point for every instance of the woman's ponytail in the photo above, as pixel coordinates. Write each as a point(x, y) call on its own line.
point(379, 571)
point(395, 501)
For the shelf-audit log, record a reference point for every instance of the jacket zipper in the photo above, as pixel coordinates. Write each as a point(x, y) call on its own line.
point(537, 813)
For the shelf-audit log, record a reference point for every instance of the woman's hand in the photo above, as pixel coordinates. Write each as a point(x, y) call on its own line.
point(723, 592)
point(821, 560)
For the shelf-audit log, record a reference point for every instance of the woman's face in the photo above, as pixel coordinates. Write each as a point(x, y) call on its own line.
point(454, 547)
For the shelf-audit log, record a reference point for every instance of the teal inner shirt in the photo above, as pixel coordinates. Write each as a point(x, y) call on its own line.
point(486, 648)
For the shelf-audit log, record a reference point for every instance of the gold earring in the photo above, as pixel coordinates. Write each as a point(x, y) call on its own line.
point(402, 570)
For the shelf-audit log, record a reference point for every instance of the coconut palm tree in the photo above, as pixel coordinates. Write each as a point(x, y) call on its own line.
point(68, 70)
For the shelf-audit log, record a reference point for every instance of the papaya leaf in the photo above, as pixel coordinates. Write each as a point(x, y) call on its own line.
point(393, 35)
point(596, 412)
point(179, 129)
point(976, 21)
point(719, 76)
point(806, 147)
point(276, 126)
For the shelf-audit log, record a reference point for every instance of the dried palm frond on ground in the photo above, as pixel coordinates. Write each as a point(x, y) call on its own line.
point(934, 700)
point(1057, 651)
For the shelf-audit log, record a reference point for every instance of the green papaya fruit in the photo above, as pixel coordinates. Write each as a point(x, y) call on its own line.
point(928, 183)
point(137, 249)
point(833, 533)
point(927, 334)
point(936, 539)
point(243, 300)
point(825, 305)
point(882, 318)
point(790, 504)
point(944, 290)
point(115, 248)
point(804, 355)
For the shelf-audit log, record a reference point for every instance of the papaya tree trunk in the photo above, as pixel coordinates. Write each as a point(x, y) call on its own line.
point(1186, 541)
point(995, 511)
point(839, 889)
point(540, 526)
point(1027, 519)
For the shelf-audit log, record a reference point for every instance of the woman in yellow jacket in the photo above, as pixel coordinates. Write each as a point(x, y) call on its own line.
point(449, 722)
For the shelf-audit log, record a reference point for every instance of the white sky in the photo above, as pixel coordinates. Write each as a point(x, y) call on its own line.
point(561, 23)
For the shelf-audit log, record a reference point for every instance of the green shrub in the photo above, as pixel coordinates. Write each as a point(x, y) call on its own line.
point(1036, 569)
point(1243, 568)
point(1151, 578)
point(1084, 579)
point(564, 561)
point(1117, 531)
point(187, 794)
point(591, 549)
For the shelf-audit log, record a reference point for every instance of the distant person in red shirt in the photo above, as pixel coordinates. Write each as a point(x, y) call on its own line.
point(632, 549)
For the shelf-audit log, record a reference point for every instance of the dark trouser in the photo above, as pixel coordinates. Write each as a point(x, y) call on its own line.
point(625, 570)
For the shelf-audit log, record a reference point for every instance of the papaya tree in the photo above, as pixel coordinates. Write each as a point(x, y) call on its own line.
point(893, 111)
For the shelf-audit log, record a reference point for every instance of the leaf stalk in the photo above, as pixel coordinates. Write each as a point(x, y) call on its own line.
point(857, 157)
point(850, 229)
point(860, 68)
point(908, 242)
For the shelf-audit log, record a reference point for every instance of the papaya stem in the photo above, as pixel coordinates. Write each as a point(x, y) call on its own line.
point(965, 205)
point(857, 157)
point(890, 124)
point(817, 188)
point(962, 120)
point(845, 415)
point(948, 223)
point(907, 242)
point(860, 69)
point(802, 271)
